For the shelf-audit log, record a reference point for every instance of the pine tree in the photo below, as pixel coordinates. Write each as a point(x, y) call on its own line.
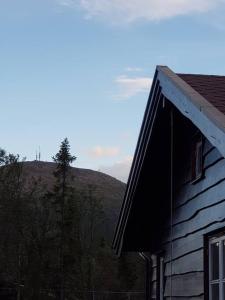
point(63, 159)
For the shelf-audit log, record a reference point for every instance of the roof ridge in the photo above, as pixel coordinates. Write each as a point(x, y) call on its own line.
point(198, 74)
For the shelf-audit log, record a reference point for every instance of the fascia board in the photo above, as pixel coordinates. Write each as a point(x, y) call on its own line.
point(209, 120)
point(132, 180)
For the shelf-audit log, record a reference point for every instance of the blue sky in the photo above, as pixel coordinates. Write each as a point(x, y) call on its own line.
point(82, 69)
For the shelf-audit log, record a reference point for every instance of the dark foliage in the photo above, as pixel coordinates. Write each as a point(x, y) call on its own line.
point(52, 242)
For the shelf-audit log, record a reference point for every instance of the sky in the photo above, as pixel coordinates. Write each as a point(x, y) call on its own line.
point(82, 69)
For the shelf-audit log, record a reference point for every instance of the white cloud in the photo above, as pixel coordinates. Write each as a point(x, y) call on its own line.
point(130, 86)
point(99, 151)
point(119, 170)
point(127, 11)
point(133, 69)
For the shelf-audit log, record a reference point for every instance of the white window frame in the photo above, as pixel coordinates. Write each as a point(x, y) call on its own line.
point(221, 279)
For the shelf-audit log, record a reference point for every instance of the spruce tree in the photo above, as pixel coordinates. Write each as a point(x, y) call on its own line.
point(63, 159)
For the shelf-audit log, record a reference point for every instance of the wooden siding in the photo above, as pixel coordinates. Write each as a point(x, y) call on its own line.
point(185, 298)
point(185, 285)
point(198, 210)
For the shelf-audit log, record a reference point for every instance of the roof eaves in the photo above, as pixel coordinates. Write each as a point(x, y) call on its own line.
point(194, 106)
point(191, 104)
point(134, 173)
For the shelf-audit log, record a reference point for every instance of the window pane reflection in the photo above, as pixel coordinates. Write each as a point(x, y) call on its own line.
point(215, 261)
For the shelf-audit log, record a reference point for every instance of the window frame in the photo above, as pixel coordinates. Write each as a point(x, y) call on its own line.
point(196, 157)
point(221, 280)
point(160, 277)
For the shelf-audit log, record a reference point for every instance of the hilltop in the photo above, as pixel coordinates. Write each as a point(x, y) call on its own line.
point(108, 190)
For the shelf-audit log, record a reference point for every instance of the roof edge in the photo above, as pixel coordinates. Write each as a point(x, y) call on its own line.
point(194, 106)
point(135, 168)
point(209, 120)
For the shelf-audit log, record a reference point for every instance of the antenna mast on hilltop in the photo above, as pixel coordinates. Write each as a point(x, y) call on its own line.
point(39, 154)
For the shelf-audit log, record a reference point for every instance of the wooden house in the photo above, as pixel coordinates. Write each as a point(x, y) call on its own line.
point(173, 212)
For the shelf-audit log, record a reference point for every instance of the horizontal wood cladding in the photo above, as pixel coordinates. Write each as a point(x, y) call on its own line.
point(183, 247)
point(199, 208)
point(187, 285)
point(215, 225)
point(193, 262)
point(207, 147)
point(211, 158)
point(201, 297)
point(205, 219)
point(190, 263)
point(213, 176)
point(203, 201)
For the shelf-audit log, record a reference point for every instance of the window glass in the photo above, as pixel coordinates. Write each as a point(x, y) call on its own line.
point(196, 157)
point(215, 291)
point(215, 261)
point(161, 278)
point(217, 268)
point(223, 259)
point(198, 167)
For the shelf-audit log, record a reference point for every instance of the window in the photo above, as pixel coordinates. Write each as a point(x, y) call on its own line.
point(160, 277)
point(161, 294)
point(217, 268)
point(196, 158)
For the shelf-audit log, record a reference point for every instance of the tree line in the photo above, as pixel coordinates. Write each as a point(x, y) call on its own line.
point(50, 246)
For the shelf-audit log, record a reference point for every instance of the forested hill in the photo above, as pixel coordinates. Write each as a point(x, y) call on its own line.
point(107, 189)
point(49, 233)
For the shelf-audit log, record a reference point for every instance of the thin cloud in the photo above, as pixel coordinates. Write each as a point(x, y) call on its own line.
point(69, 3)
point(133, 69)
point(100, 151)
point(124, 11)
point(131, 86)
point(119, 170)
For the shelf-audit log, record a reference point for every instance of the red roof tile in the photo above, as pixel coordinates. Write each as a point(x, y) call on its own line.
point(211, 87)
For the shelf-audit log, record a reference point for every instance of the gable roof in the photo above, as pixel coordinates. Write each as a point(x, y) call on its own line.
point(211, 87)
point(201, 99)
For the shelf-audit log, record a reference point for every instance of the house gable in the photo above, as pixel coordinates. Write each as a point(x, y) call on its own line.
point(209, 119)
point(141, 213)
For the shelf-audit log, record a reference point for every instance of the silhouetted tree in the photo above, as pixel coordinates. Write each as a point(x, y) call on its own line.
point(53, 241)
point(62, 193)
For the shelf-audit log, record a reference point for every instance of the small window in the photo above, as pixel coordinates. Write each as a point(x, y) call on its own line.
point(217, 268)
point(161, 294)
point(196, 158)
point(160, 277)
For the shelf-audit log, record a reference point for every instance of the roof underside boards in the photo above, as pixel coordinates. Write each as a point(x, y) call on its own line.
point(136, 165)
point(149, 196)
point(198, 104)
